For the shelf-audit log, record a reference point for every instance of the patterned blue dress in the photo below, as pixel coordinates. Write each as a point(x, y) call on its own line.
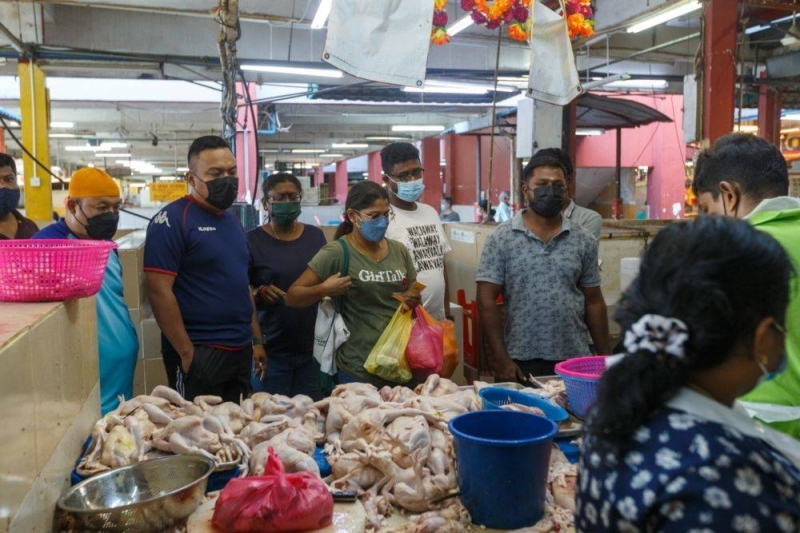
point(688, 474)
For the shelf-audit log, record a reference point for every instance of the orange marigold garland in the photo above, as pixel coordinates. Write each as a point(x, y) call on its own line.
point(515, 14)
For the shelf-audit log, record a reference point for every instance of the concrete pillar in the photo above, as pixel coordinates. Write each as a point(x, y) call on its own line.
point(246, 149)
point(319, 176)
point(339, 189)
point(34, 108)
point(719, 68)
point(431, 162)
point(374, 169)
point(769, 114)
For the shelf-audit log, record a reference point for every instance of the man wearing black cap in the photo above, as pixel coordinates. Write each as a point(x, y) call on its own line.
point(546, 269)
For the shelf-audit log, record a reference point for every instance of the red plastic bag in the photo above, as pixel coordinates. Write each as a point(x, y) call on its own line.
point(276, 501)
point(424, 348)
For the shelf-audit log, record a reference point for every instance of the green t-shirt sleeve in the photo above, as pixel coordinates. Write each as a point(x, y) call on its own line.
point(328, 260)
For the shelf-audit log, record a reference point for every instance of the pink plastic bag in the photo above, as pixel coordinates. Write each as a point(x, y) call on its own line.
point(424, 348)
point(276, 501)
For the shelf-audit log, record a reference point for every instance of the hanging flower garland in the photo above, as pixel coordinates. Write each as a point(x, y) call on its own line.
point(514, 13)
point(579, 18)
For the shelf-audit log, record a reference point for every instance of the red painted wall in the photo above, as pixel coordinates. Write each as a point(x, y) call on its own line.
point(460, 153)
point(658, 146)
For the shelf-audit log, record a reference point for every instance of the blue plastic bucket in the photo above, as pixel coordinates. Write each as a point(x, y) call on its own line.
point(502, 459)
point(497, 397)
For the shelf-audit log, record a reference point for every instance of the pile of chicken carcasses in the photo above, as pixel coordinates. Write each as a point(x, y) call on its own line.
point(392, 445)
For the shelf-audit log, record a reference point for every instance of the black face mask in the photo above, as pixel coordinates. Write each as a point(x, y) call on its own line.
point(101, 227)
point(222, 191)
point(548, 200)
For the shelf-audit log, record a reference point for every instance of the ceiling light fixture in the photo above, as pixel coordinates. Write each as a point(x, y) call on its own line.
point(665, 15)
point(62, 136)
point(444, 90)
point(299, 71)
point(323, 11)
point(182, 169)
point(387, 138)
point(114, 144)
point(460, 25)
point(585, 132)
point(421, 127)
point(307, 151)
point(87, 148)
point(637, 84)
point(349, 145)
point(755, 29)
point(108, 156)
point(62, 124)
point(331, 155)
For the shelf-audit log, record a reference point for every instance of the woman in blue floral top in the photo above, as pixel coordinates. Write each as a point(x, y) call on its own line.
point(666, 446)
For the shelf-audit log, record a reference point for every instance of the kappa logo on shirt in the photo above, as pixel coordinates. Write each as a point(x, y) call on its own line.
point(162, 218)
point(206, 228)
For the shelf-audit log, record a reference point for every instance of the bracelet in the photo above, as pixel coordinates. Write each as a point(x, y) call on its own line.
point(259, 342)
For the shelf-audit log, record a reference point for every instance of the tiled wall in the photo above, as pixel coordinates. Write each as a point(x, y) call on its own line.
point(49, 397)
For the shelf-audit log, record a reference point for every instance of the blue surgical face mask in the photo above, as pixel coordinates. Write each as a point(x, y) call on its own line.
point(373, 230)
point(410, 191)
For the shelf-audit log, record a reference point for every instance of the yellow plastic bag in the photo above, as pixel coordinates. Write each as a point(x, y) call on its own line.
point(387, 358)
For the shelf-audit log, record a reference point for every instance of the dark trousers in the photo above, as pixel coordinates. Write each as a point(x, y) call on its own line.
point(224, 373)
point(537, 367)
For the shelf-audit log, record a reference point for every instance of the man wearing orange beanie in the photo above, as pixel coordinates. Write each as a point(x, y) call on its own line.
point(93, 213)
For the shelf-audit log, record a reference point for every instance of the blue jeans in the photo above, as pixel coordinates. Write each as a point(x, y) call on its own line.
point(347, 378)
point(289, 376)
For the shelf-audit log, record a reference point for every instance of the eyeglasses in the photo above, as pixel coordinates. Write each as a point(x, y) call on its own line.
point(780, 328)
point(409, 175)
point(282, 198)
point(376, 216)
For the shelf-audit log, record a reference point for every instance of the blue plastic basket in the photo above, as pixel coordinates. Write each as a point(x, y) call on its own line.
point(493, 398)
point(581, 375)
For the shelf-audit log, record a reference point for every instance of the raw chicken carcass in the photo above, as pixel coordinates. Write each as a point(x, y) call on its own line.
point(293, 460)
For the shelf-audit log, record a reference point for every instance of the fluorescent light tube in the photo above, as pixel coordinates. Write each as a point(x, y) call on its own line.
point(755, 29)
point(444, 90)
point(464, 85)
point(331, 155)
point(307, 151)
point(62, 124)
point(665, 16)
point(387, 138)
point(87, 148)
point(300, 71)
point(114, 144)
point(459, 25)
point(589, 131)
point(62, 136)
point(637, 84)
point(349, 145)
point(409, 127)
point(182, 169)
point(323, 11)
point(107, 156)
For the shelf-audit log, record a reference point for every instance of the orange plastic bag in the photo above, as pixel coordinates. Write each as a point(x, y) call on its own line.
point(449, 343)
point(424, 348)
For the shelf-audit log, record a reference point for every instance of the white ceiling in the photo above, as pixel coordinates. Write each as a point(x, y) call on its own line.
point(176, 39)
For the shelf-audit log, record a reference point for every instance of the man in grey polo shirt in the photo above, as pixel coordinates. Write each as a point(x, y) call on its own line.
point(588, 219)
point(546, 269)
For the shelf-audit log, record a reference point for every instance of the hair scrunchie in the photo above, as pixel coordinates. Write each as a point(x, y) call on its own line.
point(657, 334)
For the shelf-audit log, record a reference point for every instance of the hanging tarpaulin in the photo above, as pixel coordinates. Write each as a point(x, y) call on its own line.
point(553, 76)
point(385, 41)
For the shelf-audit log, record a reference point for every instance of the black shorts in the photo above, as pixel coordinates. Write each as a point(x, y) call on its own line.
point(224, 373)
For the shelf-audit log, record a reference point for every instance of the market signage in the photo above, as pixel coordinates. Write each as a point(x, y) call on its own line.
point(167, 192)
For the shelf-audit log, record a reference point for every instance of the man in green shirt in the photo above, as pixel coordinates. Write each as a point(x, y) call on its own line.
point(744, 176)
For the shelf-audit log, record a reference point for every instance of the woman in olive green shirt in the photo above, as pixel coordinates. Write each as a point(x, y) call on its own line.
point(378, 269)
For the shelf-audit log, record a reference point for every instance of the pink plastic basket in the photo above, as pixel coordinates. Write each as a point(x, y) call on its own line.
point(581, 375)
point(50, 270)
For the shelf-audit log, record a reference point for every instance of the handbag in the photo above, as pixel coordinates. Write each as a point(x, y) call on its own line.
point(553, 76)
point(330, 331)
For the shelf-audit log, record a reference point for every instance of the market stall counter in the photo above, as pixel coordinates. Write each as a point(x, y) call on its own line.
point(50, 399)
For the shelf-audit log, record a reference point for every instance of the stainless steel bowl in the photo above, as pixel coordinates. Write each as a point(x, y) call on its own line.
point(147, 496)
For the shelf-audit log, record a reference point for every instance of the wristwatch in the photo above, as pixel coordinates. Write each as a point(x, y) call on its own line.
point(259, 341)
